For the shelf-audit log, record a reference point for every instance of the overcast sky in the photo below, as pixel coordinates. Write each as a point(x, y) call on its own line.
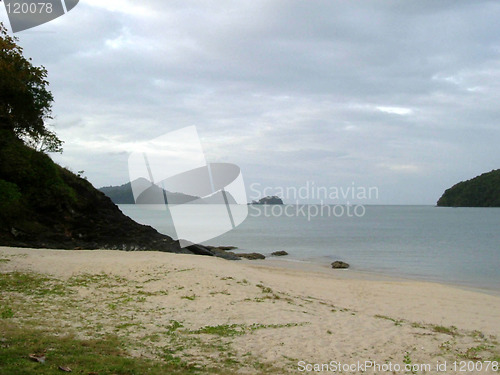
point(401, 95)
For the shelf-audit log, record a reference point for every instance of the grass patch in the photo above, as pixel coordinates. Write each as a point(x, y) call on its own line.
point(230, 330)
point(264, 289)
point(31, 284)
point(185, 269)
point(452, 331)
point(104, 356)
point(4, 260)
point(225, 292)
point(102, 280)
point(226, 330)
point(395, 321)
point(174, 326)
point(474, 352)
point(6, 313)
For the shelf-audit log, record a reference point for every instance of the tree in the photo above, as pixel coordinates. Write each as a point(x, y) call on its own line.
point(25, 101)
point(45, 142)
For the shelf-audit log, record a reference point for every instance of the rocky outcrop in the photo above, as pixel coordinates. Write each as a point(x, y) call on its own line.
point(251, 256)
point(338, 264)
point(269, 200)
point(87, 219)
point(222, 253)
point(225, 248)
point(279, 253)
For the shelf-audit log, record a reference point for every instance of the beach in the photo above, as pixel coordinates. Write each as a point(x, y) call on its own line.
point(244, 317)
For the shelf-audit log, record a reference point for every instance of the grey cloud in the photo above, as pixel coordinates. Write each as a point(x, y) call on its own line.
point(288, 90)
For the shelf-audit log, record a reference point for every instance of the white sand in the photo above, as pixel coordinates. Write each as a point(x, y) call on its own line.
point(318, 317)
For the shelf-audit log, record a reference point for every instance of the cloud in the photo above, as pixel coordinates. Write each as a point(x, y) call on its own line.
point(395, 110)
point(390, 93)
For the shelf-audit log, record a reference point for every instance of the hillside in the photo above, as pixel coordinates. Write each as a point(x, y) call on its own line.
point(45, 205)
point(123, 194)
point(481, 191)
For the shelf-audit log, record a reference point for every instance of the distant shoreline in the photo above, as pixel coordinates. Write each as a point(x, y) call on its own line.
point(361, 274)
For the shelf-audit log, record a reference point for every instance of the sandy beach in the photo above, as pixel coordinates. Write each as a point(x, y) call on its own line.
point(245, 317)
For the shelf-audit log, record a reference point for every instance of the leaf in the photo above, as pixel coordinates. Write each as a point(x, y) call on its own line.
point(40, 358)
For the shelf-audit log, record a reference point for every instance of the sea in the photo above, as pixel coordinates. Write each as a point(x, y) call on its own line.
point(459, 246)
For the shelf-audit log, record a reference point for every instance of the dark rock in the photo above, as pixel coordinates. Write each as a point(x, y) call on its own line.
point(279, 253)
point(200, 250)
point(269, 200)
point(251, 256)
point(227, 247)
point(340, 265)
point(228, 255)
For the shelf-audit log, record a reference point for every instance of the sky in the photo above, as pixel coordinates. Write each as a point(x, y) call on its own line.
point(403, 96)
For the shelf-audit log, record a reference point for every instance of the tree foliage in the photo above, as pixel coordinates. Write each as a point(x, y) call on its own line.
point(25, 101)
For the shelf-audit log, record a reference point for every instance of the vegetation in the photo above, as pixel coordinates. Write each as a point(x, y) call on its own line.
point(47, 324)
point(25, 101)
point(481, 191)
point(28, 177)
point(106, 355)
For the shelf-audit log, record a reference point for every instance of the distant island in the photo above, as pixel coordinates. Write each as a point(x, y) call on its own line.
point(123, 195)
point(269, 200)
point(481, 191)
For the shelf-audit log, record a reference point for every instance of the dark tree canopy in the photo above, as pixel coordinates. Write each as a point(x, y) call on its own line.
point(25, 101)
point(481, 191)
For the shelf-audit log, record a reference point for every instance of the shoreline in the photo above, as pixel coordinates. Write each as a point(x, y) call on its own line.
point(363, 274)
point(244, 316)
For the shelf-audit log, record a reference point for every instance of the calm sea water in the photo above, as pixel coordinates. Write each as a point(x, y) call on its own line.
point(452, 245)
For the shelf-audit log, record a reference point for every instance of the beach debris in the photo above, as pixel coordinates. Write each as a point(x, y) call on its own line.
point(65, 369)
point(251, 256)
point(338, 264)
point(279, 253)
point(40, 358)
